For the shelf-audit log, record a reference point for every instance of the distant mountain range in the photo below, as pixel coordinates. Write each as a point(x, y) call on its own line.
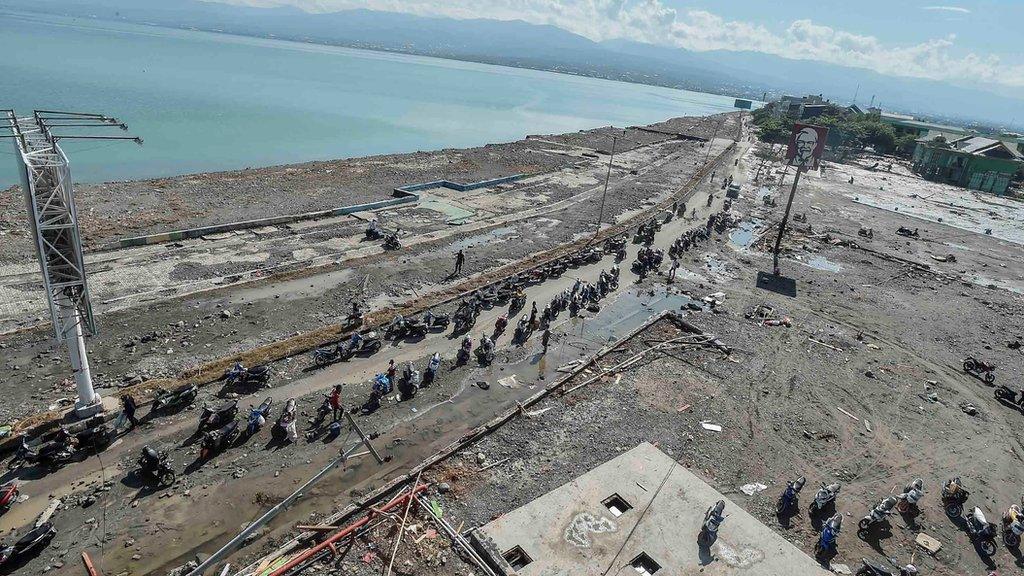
point(517, 43)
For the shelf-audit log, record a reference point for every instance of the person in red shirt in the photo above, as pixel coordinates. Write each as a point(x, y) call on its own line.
point(335, 400)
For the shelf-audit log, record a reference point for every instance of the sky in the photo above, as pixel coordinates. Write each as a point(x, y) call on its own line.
point(966, 42)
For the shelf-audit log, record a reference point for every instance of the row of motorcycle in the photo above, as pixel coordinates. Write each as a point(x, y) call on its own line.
point(954, 497)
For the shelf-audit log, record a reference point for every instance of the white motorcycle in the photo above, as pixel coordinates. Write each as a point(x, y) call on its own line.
point(824, 496)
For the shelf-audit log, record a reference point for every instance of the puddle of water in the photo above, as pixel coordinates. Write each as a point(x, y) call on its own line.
point(625, 314)
point(493, 235)
point(820, 263)
point(743, 236)
point(454, 213)
point(297, 288)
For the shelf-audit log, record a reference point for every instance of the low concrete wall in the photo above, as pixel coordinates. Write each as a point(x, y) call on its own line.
point(411, 188)
point(403, 195)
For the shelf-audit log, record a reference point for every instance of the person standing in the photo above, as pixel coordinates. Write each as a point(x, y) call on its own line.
point(545, 338)
point(392, 371)
point(672, 270)
point(129, 407)
point(335, 400)
point(460, 259)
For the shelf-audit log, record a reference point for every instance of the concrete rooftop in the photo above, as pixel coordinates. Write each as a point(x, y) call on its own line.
point(571, 531)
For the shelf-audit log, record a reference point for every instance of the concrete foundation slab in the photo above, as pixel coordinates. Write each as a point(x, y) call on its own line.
point(639, 511)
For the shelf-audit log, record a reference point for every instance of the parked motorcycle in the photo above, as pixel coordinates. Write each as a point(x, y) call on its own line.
point(463, 322)
point(436, 322)
point(1013, 526)
point(828, 540)
point(981, 532)
point(96, 437)
point(954, 496)
point(285, 425)
point(872, 568)
point(217, 441)
point(217, 416)
point(257, 417)
point(980, 369)
point(517, 303)
point(464, 350)
point(239, 374)
point(432, 367)
point(522, 328)
point(713, 519)
point(789, 497)
point(1004, 393)
point(880, 512)
point(328, 355)
point(8, 496)
point(49, 455)
point(170, 400)
point(362, 345)
point(391, 242)
point(500, 324)
point(154, 467)
point(409, 383)
point(823, 497)
point(32, 542)
point(912, 493)
point(485, 350)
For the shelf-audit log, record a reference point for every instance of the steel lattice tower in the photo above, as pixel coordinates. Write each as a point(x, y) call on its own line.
point(49, 195)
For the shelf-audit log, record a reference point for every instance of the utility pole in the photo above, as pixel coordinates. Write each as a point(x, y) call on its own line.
point(50, 198)
point(782, 225)
point(607, 177)
point(711, 142)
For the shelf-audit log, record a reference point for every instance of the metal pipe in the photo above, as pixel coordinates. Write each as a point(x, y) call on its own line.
point(302, 557)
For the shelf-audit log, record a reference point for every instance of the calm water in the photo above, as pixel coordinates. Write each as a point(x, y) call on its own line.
point(205, 101)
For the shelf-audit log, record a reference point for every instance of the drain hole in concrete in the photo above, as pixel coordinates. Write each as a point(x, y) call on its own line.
point(643, 564)
point(517, 558)
point(616, 505)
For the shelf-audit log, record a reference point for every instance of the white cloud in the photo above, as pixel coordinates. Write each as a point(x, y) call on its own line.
point(958, 9)
point(654, 22)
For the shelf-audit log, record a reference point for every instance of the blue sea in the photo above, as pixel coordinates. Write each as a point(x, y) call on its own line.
point(205, 101)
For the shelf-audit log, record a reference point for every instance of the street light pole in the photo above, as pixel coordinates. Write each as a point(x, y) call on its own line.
point(785, 218)
point(607, 177)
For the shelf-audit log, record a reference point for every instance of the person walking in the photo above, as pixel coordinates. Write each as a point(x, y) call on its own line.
point(460, 259)
point(545, 338)
point(335, 401)
point(129, 407)
point(672, 270)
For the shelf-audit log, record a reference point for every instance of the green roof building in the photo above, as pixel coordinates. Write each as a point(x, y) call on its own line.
point(972, 162)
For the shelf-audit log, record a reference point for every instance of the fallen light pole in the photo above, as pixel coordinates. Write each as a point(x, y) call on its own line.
point(269, 515)
point(46, 182)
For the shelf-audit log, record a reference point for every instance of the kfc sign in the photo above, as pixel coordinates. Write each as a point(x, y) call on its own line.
point(806, 145)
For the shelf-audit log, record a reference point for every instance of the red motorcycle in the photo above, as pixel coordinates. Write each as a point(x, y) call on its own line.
point(8, 496)
point(980, 369)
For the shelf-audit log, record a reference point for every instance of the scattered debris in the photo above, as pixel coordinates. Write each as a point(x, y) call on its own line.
point(929, 544)
point(847, 413)
point(754, 488)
